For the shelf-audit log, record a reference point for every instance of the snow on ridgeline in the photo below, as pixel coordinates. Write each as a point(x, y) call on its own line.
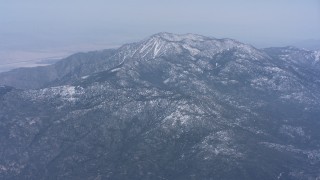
point(313, 155)
point(219, 143)
point(179, 37)
point(163, 44)
point(65, 93)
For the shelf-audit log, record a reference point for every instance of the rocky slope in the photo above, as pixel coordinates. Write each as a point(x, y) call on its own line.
point(168, 107)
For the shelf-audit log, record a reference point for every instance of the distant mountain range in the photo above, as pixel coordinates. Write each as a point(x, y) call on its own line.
point(311, 44)
point(168, 107)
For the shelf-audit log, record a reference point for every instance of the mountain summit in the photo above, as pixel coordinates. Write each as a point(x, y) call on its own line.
point(166, 43)
point(179, 37)
point(167, 107)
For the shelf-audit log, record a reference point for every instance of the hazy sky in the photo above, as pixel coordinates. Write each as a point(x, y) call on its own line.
point(32, 24)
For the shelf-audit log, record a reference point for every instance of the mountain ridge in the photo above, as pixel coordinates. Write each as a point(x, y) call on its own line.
point(208, 50)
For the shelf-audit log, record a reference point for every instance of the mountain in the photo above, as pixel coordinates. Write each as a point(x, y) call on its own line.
point(34, 78)
point(311, 44)
point(167, 107)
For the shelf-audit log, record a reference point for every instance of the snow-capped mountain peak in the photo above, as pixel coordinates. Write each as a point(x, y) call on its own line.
point(163, 44)
point(179, 37)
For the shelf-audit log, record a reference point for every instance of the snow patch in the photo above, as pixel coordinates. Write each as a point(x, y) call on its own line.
point(84, 77)
point(180, 37)
point(219, 144)
point(292, 131)
point(317, 56)
point(66, 93)
point(184, 114)
point(193, 51)
point(115, 70)
point(313, 155)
